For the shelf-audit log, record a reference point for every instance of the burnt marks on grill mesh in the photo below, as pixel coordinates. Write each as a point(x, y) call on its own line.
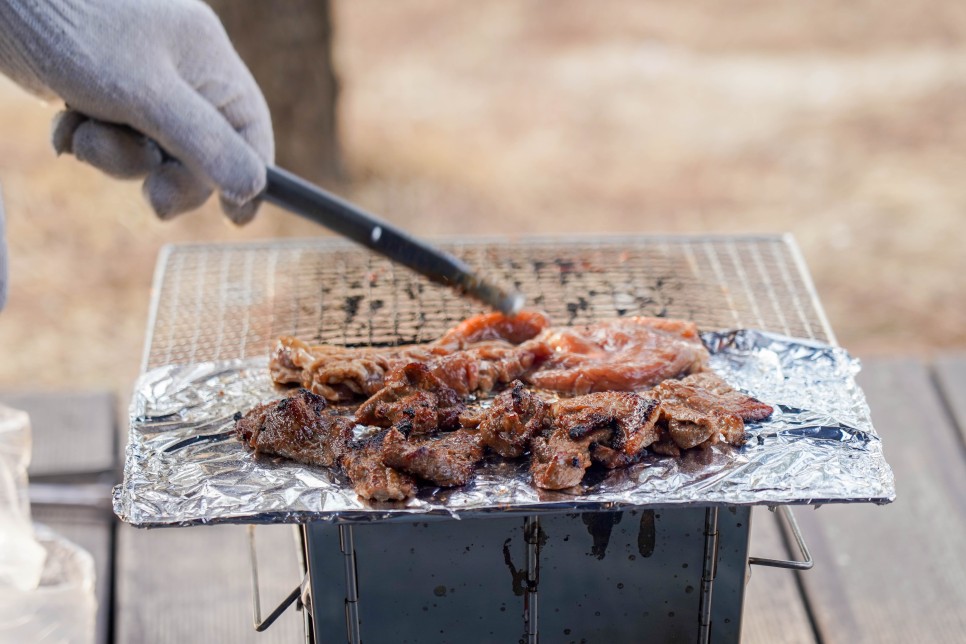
point(351, 307)
point(566, 267)
point(574, 308)
point(414, 290)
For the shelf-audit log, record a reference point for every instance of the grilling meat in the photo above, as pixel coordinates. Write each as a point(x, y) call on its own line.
point(611, 458)
point(624, 354)
point(705, 410)
point(560, 461)
point(631, 416)
point(418, 394)
point(296, 427)
point(447, 460)
point(414, 398)
point(727, 399)
point(514, 418)
point(371, 477)
point(340, 373)
point(514, 329)
point(486, 365)
point(611, 428)
point(486, 351)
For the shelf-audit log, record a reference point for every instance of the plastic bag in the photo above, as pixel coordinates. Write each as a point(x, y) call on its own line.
point(62, 608)
point(21, 557)
point(46, 582)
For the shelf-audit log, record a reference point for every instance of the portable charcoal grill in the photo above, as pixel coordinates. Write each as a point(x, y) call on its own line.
point(657, 574)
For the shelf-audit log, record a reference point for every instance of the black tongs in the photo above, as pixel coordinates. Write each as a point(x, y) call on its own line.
point(298, 196)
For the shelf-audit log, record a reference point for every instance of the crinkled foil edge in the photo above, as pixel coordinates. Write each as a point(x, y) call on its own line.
point(184, 466)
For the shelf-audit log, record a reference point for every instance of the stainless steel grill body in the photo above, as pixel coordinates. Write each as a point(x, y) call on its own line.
point(498, 579)
point(602, 577)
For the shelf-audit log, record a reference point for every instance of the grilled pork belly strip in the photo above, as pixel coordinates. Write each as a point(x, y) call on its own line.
point(624, 354)
point(340, 373)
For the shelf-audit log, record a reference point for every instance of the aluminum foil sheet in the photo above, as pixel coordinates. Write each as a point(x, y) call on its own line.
point(184, 465)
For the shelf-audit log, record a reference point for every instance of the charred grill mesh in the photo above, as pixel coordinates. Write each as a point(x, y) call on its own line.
point(217, 302)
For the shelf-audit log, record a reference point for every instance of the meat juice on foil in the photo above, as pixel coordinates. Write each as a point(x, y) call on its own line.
point(185, 467)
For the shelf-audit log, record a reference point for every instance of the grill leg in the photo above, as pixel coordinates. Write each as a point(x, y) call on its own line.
point(708, 572)
point(531, 531)
point(351, 584)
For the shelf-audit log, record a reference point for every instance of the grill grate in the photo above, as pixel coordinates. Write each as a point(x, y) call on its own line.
point(219, 302)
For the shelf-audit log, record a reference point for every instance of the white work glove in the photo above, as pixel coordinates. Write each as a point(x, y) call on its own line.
point(154, 89)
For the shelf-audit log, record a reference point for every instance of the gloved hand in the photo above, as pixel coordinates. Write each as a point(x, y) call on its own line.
point(154, 88)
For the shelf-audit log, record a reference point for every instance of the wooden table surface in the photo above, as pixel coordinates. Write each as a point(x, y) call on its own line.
point(890, 573)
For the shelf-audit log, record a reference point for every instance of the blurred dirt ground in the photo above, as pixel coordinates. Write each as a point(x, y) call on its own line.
point(842, 123)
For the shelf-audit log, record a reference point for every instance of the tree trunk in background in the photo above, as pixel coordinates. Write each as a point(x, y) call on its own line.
point(287, 44)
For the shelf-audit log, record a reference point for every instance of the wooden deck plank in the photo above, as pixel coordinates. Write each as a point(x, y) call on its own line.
point(774, 610)
point(895, 573)
point(950, 373)
point(73, 432)
point(193, 585)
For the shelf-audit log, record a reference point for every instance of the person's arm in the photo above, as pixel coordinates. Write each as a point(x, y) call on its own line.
point(155, 90)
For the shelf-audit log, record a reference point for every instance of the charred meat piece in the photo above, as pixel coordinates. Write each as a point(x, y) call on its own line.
point(624, 354)
point(631, 416)
point(340, 373)
point(371, 478)
point(694, 416)
point(446, 460)
point(559, 462)
point(514, 418)
point(414, 399)
point(299, 427)
point(728, 399)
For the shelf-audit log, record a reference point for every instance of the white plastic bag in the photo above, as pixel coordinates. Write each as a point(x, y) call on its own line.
point(62, 609)
point(46, 582)
point(21, 557)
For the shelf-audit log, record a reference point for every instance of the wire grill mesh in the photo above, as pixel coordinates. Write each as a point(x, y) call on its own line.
point(219, 302)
